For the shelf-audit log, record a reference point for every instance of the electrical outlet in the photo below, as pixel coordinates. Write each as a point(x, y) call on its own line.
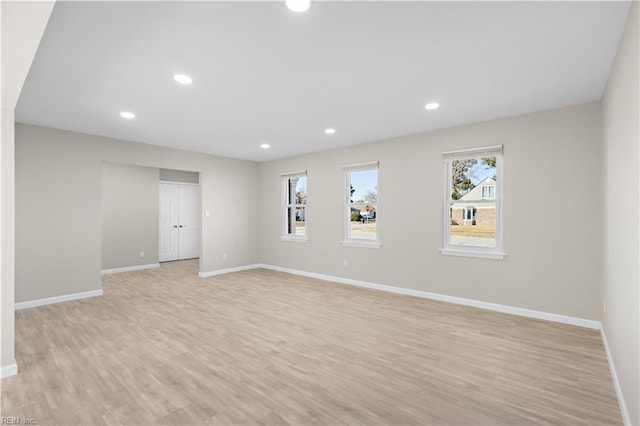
point(225, 256)
point(141, 254)
point(346, 263)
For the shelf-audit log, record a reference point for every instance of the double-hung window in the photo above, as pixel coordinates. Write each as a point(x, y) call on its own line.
point(489, 192)
point(294, 203)
point(472, 208)
point(361, 205)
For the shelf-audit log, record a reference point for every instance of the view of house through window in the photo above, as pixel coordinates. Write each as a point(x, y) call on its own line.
point(295, 211)
point(473, 206)
point(363, 204)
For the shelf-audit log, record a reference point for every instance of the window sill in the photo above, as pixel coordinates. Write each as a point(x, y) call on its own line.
point(292, 239)
point(362, 244)
point(471, 253)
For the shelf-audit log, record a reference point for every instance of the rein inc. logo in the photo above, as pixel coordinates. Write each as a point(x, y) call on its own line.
point(17, 421)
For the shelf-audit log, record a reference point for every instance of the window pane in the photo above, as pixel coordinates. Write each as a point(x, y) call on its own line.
point(301, 190)
point(301, 220)
point(297, 190)
point(363, 204)
point(295, 205)
point(363, 221)
point(364, 186)
point(473, 180)
point(470, 177)
point(296, 220)
point(473, 226)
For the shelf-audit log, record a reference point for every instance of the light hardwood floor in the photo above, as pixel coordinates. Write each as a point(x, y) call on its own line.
point(261, 347)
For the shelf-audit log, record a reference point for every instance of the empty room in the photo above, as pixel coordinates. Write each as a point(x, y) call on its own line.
point(311, 212)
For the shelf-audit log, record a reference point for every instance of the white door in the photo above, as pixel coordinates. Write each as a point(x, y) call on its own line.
point(168, 218)
point(179, 222)
point(189, 218)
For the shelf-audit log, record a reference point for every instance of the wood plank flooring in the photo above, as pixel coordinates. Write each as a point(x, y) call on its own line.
point(260, 347)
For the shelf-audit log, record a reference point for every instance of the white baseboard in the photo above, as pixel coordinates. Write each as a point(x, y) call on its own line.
point(616, 383)
point(130, 268)
point(443, 298)
point(228, 270)
point(8, 370)
point(57, 299)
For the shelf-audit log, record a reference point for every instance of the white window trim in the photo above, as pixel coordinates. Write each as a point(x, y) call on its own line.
point(479, 252)
point(285, 205)
point(472, 253)
point(174, 182)
point(358, 242)
point(295, 238)
point(362, 243)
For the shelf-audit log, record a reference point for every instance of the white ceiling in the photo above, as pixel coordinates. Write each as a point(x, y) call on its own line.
point(262, 73)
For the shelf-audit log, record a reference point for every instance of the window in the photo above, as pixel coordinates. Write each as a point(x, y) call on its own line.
point(472, 213)
point(469, 213)
point(361, 205)
point(489, 192)
point(295, 206)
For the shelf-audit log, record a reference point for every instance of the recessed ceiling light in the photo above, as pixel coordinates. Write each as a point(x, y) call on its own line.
point(432, 105)
point(127, 114)
point(298, 5)
point(183, 79)
point(329, 131)
point(265, 146)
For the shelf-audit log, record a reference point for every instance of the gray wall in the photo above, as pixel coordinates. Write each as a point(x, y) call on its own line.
point(552, 214)
point(621, 139)
point(179, 176)
point(58, 207)
point(129, 215)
